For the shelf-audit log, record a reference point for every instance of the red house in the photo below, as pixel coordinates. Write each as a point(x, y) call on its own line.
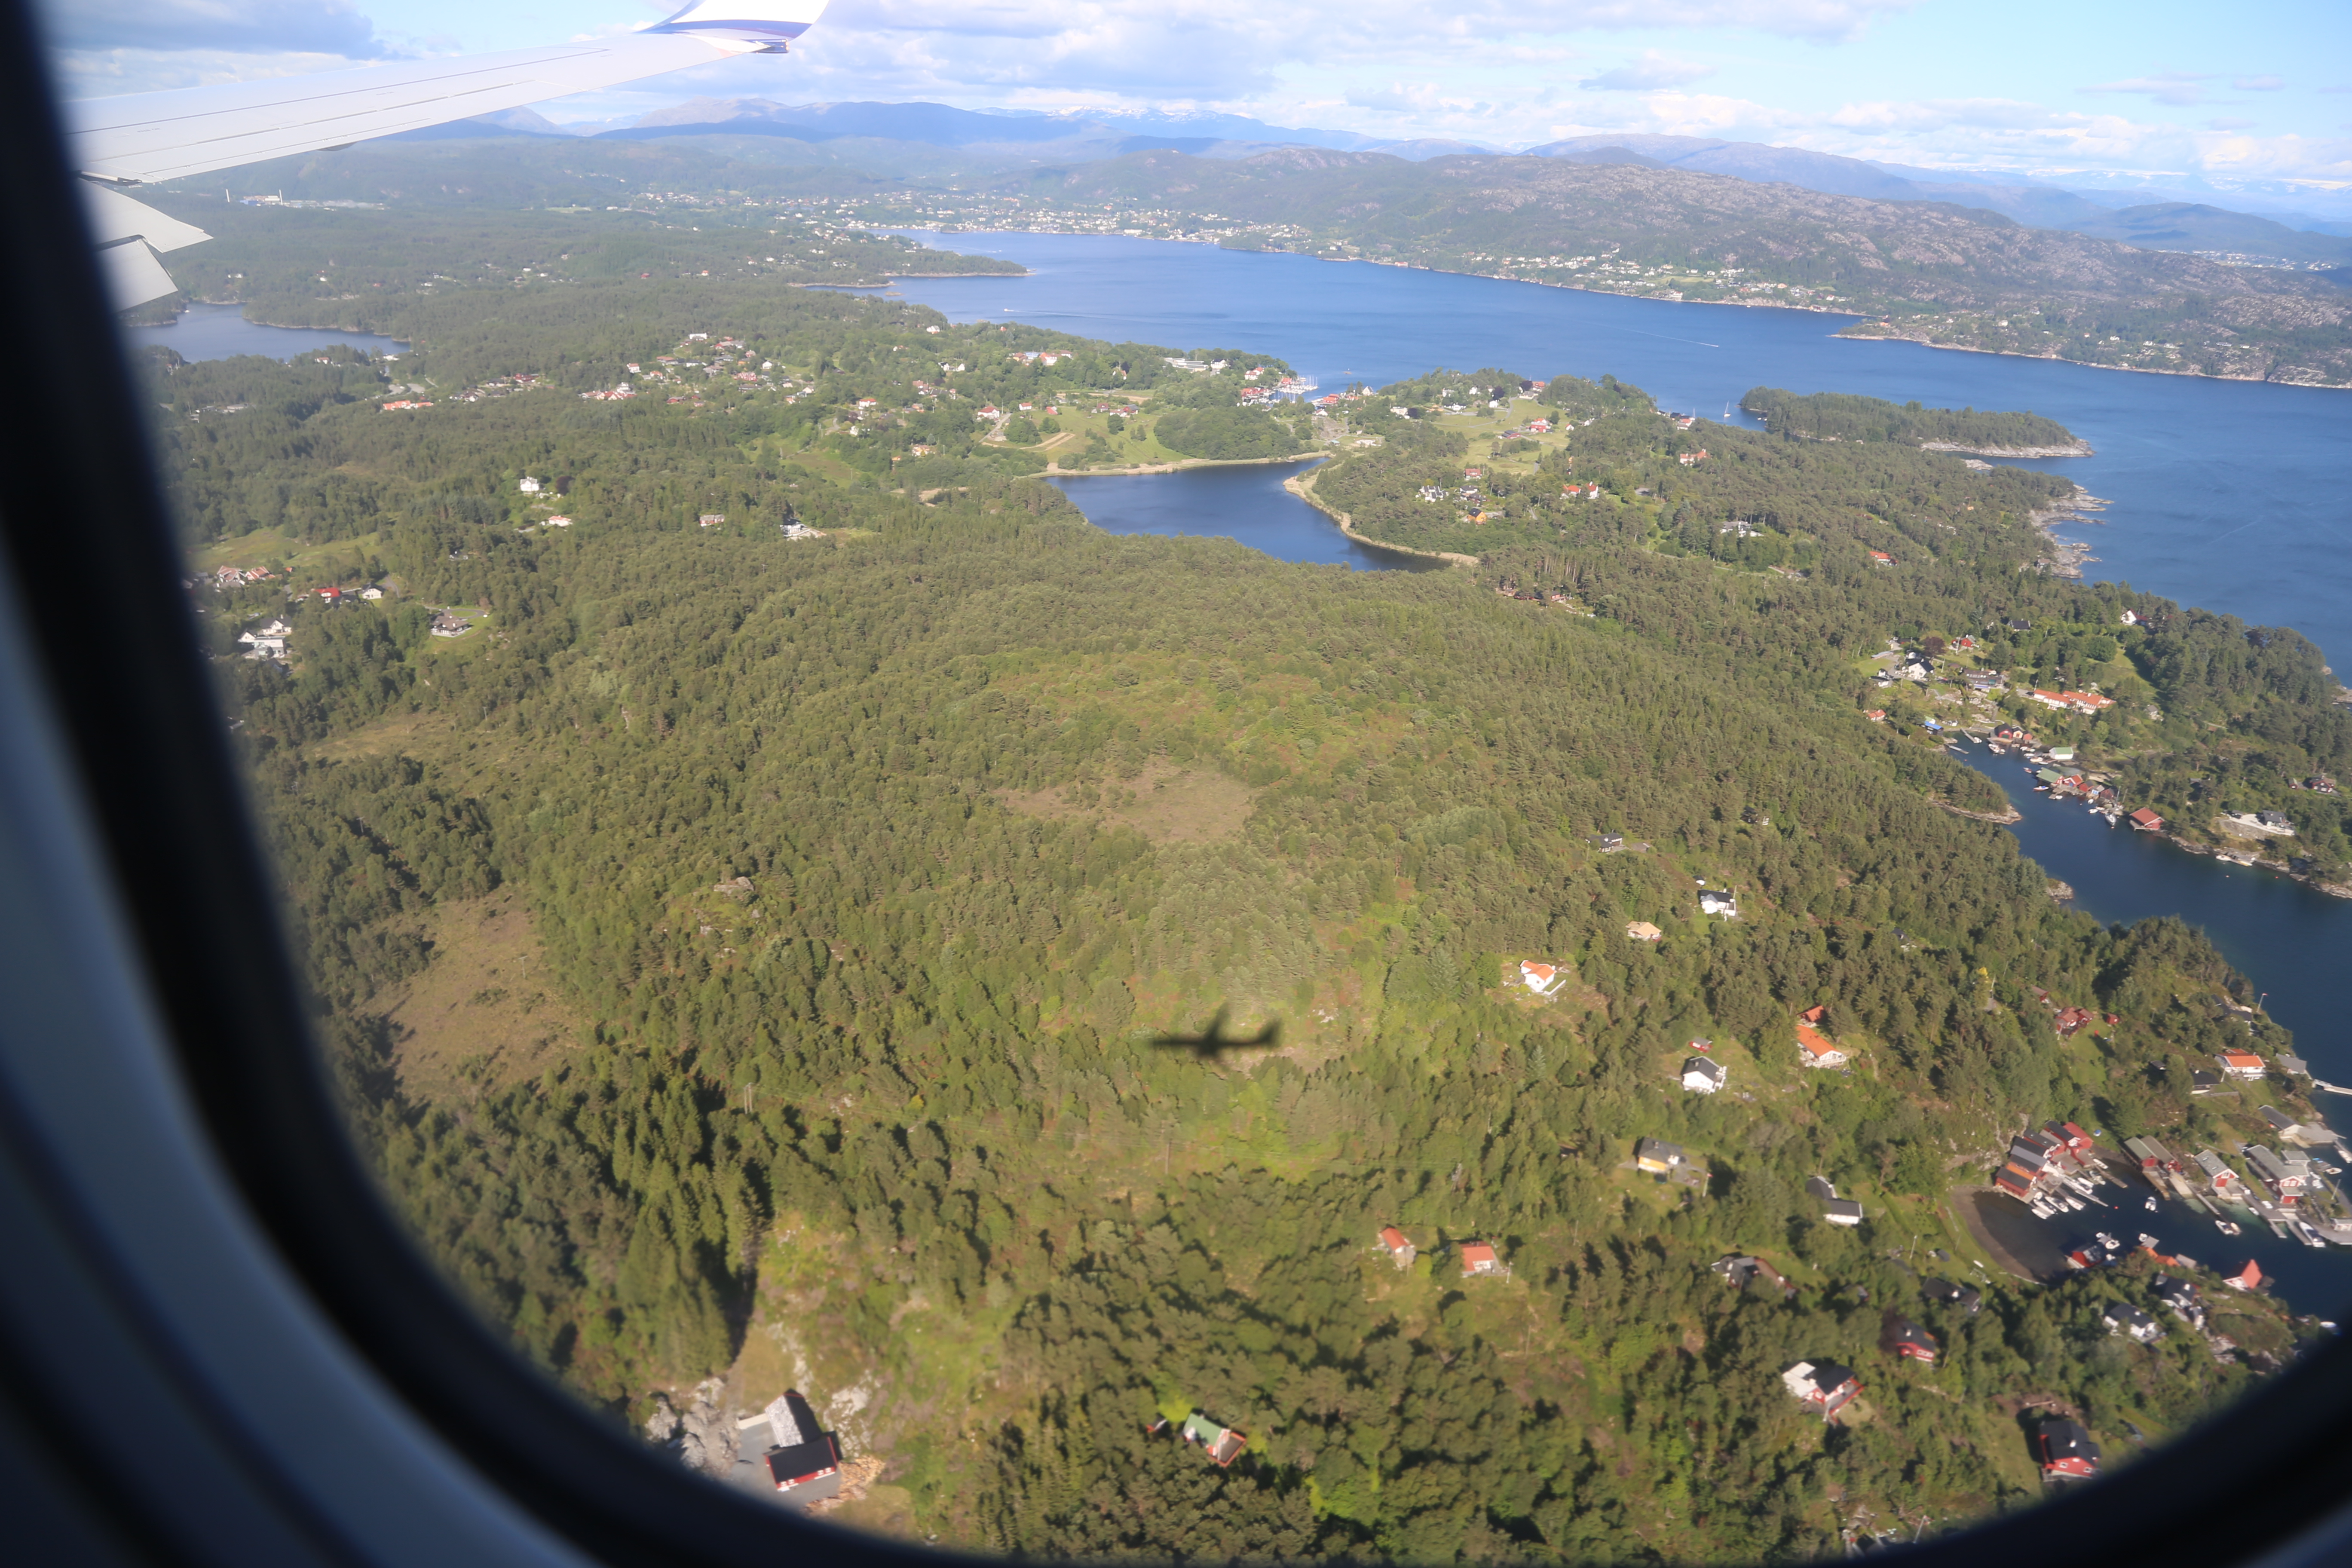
point(1400, 1249)
point(1909, 1341)
point(2067, 1450)
point(1824, 1385)
point(2146, 821)
point(1477, 1257)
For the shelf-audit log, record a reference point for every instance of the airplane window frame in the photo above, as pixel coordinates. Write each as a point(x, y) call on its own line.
point(80, 506)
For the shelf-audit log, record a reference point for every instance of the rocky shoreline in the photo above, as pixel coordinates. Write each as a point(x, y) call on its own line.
point(2066, 557)
point(2001, 818)
point(1303, 487)
point(2073, 449)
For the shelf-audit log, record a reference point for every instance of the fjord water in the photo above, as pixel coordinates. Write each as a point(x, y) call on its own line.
point(2229, 495)
point(221, 331)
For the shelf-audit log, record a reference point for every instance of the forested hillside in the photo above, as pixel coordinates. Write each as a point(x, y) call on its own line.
point(1841, 417)
point(894, 878)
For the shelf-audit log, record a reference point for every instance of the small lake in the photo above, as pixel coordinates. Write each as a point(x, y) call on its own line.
point(221, 331)
point(2229, 495)
point(1243, 501)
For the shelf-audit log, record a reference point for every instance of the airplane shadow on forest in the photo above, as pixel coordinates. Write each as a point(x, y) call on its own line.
point(1212, 1042)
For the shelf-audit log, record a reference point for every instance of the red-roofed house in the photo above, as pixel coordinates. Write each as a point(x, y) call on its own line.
point(2240, 1063)
point(1542, 979)
point(2250, 1278)
point(1816, 1013)
point(1477, 1257)
point(1818, 1050)
point(2146, 821)
point(1402, 1251)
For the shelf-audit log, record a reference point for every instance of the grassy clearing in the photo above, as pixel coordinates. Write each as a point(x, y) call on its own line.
point(479, 1017)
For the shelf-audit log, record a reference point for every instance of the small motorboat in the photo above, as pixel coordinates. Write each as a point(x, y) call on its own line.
point(2151, 1205)
point(2227, 1226)
point(2307, 1234)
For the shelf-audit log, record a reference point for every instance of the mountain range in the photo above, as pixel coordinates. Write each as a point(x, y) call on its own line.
point(2177, 221)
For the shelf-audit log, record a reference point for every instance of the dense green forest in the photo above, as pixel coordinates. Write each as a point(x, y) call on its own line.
point(870, 876)
point(1841, 416)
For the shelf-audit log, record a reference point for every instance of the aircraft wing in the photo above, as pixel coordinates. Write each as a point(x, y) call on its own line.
point(142, 137)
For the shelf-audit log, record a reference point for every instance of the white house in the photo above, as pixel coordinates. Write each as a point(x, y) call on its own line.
point(1702, 1075)
point(1712, 902)
point(530, 487)
point(1541, 978)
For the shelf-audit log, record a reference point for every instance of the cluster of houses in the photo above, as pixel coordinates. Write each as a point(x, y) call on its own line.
point(267, 641)
point(2047, 1165)
point(2288, 1175)
point(1480, 1259)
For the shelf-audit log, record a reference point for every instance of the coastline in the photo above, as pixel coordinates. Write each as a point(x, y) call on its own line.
point(1303, 487)
point(1963, 1204)
point(1058, 471)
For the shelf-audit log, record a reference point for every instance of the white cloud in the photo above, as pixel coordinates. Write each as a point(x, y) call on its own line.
point(1648, 71)
point(2257, 83)
point(2177, 89)
point(332, 27)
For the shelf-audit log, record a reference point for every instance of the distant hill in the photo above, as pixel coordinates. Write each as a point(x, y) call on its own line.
point(940, 125)
point(2192, 226)
point(2044, 206)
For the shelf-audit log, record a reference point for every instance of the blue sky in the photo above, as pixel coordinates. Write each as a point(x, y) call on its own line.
point(2252, 96)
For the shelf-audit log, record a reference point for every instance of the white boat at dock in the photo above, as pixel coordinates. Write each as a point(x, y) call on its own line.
point(2228, 1228)
point(2307, 1234)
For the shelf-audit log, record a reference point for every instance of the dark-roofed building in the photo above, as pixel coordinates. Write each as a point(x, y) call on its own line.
point(1966, 1298)
point(2123, 1318)
point(2066, 1450)
point(1738, 1272)
point(1819, 1187)
point(1842, 1211)
point(804, 1461)
point(1659, 1157)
